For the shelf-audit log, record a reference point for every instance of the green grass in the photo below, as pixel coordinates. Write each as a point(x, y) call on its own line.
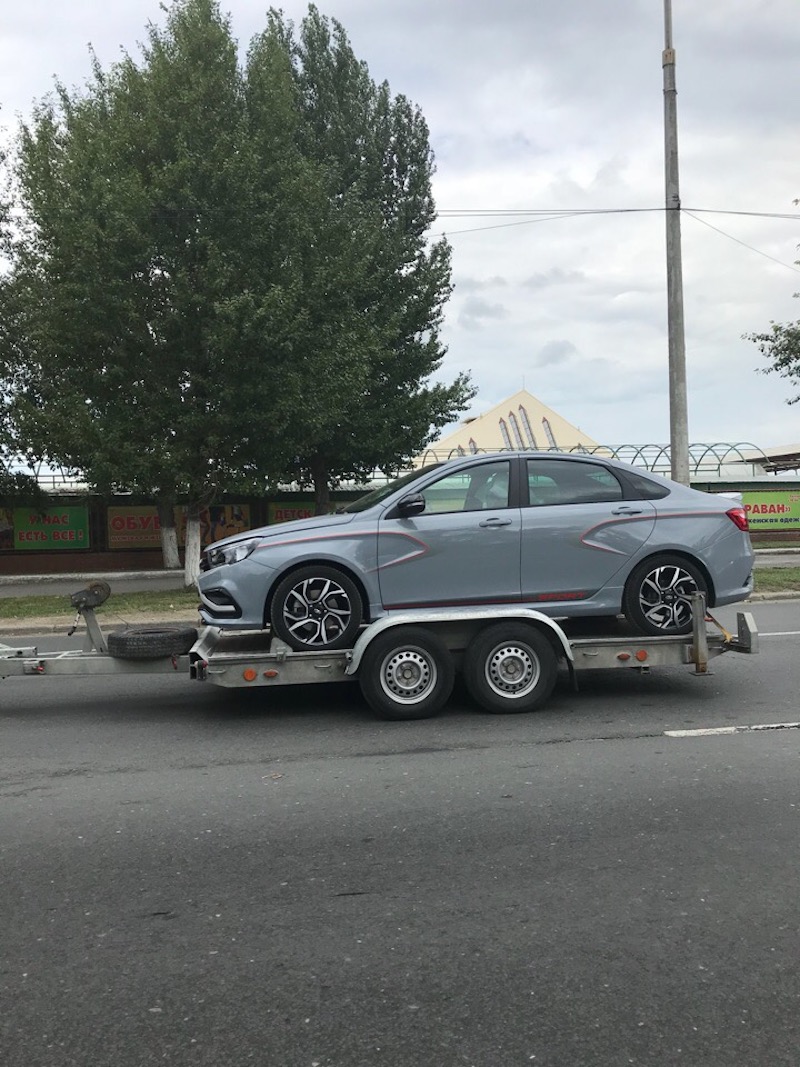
point(768, 580)
point(157, 602)
point(777, 579)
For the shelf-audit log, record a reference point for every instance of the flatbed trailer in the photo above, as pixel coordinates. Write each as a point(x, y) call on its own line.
point(405, 663)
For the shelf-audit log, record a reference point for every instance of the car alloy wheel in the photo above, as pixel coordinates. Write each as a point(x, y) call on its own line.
point(316, 608)
point(658, 595)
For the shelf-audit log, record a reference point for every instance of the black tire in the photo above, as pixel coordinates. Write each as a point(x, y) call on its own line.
point(510, 667)
point(656, 600)
point(316, 609)
point(151, 642)
point(407, 673)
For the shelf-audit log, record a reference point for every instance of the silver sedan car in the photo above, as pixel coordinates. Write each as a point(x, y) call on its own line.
point(570, 535)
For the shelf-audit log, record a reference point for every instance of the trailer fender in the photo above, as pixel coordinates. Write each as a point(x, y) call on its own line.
point(431, 618)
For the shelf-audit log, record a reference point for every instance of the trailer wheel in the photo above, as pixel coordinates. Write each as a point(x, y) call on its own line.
point(510, 667)
point(151, 642)
point(407, 673)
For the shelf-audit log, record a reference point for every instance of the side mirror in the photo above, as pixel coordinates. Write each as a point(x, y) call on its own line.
point(411, 505)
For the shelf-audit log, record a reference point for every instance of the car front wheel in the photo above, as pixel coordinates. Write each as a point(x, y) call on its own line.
point(316, 609)
point(657, 599)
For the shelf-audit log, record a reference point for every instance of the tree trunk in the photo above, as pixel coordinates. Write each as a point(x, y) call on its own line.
point(169, 535)
point(322, 496)
point(191, 565)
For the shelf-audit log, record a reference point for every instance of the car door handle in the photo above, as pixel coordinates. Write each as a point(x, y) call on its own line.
point(495, 521)
point(627, 511)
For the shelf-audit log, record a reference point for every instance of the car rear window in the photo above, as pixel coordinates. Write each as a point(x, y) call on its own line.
point(567, 482)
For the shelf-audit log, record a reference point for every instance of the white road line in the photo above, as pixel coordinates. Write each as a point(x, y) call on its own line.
point(733, 729)
point(782, 633)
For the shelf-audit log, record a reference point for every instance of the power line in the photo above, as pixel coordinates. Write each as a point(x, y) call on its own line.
point(544, 216)
point(744, 244)
point(500, 212)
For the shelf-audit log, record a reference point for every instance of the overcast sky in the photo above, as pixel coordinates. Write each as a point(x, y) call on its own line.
point(552, 106)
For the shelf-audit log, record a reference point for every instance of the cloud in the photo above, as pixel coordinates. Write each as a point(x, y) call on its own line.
point(555, 353)
point(474, 312)
point(556, 108)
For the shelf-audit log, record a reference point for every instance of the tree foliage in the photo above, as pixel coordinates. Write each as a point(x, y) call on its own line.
point(222, 277)
point(16, 486)
point(781, 346)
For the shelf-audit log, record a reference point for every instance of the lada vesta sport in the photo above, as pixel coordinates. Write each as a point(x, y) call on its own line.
point(569, 535)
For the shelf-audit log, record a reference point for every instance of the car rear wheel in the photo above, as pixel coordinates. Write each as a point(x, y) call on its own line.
point(315, 609)
point(657, 595)
point(510, 667)
point(407, 673)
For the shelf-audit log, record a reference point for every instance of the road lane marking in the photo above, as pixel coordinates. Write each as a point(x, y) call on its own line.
point(711, 731)
point(782, 633)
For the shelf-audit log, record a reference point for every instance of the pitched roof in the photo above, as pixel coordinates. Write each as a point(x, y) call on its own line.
point(520, 421)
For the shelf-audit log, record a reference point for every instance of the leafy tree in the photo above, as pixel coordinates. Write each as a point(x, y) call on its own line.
point(16, 487)
point(781, 346)
point(128, 250)
point(222, 277)
point(375, 154)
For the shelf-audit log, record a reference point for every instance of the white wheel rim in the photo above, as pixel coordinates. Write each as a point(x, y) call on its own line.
point(408, 675)
point(512, 670)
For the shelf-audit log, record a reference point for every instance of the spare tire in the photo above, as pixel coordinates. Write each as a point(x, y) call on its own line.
point(151, 642)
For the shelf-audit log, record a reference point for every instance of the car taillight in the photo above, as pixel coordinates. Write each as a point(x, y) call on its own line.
point(738, 517)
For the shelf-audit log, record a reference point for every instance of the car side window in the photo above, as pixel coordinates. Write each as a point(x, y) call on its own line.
point(567, 482)
point(480, 488)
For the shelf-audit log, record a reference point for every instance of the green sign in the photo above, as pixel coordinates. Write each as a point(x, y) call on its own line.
point(773, 510)
point(51, 529)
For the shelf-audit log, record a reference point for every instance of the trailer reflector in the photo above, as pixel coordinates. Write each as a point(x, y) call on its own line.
point(641, 655)
point(272, 673)
point(249, 674)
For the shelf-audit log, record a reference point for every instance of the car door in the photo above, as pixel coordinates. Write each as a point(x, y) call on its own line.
point(463, 549)
point(578, 529)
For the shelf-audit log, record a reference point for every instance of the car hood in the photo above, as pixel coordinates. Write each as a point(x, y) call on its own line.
point(281, 529)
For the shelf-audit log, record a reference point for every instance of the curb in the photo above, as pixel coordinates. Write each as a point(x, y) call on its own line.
point(60, 625)
point(82, 578)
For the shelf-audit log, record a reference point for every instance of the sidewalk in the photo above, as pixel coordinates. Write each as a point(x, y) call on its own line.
point(63, 585)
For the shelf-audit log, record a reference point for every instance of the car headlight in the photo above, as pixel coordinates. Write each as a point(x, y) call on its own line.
point(234, 553)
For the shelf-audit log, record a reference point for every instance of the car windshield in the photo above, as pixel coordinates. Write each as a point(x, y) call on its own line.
point(383, 491)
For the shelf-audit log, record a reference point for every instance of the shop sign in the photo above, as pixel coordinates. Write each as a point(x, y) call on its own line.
point(279, 511)
point(51, 529)
point(138, 527)
point(133, 527)
point(773, 510)
point(223, 520)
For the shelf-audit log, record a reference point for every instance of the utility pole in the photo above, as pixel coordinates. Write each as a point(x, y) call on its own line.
point(678, 415)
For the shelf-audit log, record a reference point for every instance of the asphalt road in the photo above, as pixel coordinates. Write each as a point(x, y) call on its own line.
point(201, 877)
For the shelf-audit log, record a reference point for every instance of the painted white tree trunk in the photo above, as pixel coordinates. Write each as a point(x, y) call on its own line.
point(169, 548)
point(191, 567)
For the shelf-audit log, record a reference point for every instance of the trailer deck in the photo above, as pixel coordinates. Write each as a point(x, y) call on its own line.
point(406, 662)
